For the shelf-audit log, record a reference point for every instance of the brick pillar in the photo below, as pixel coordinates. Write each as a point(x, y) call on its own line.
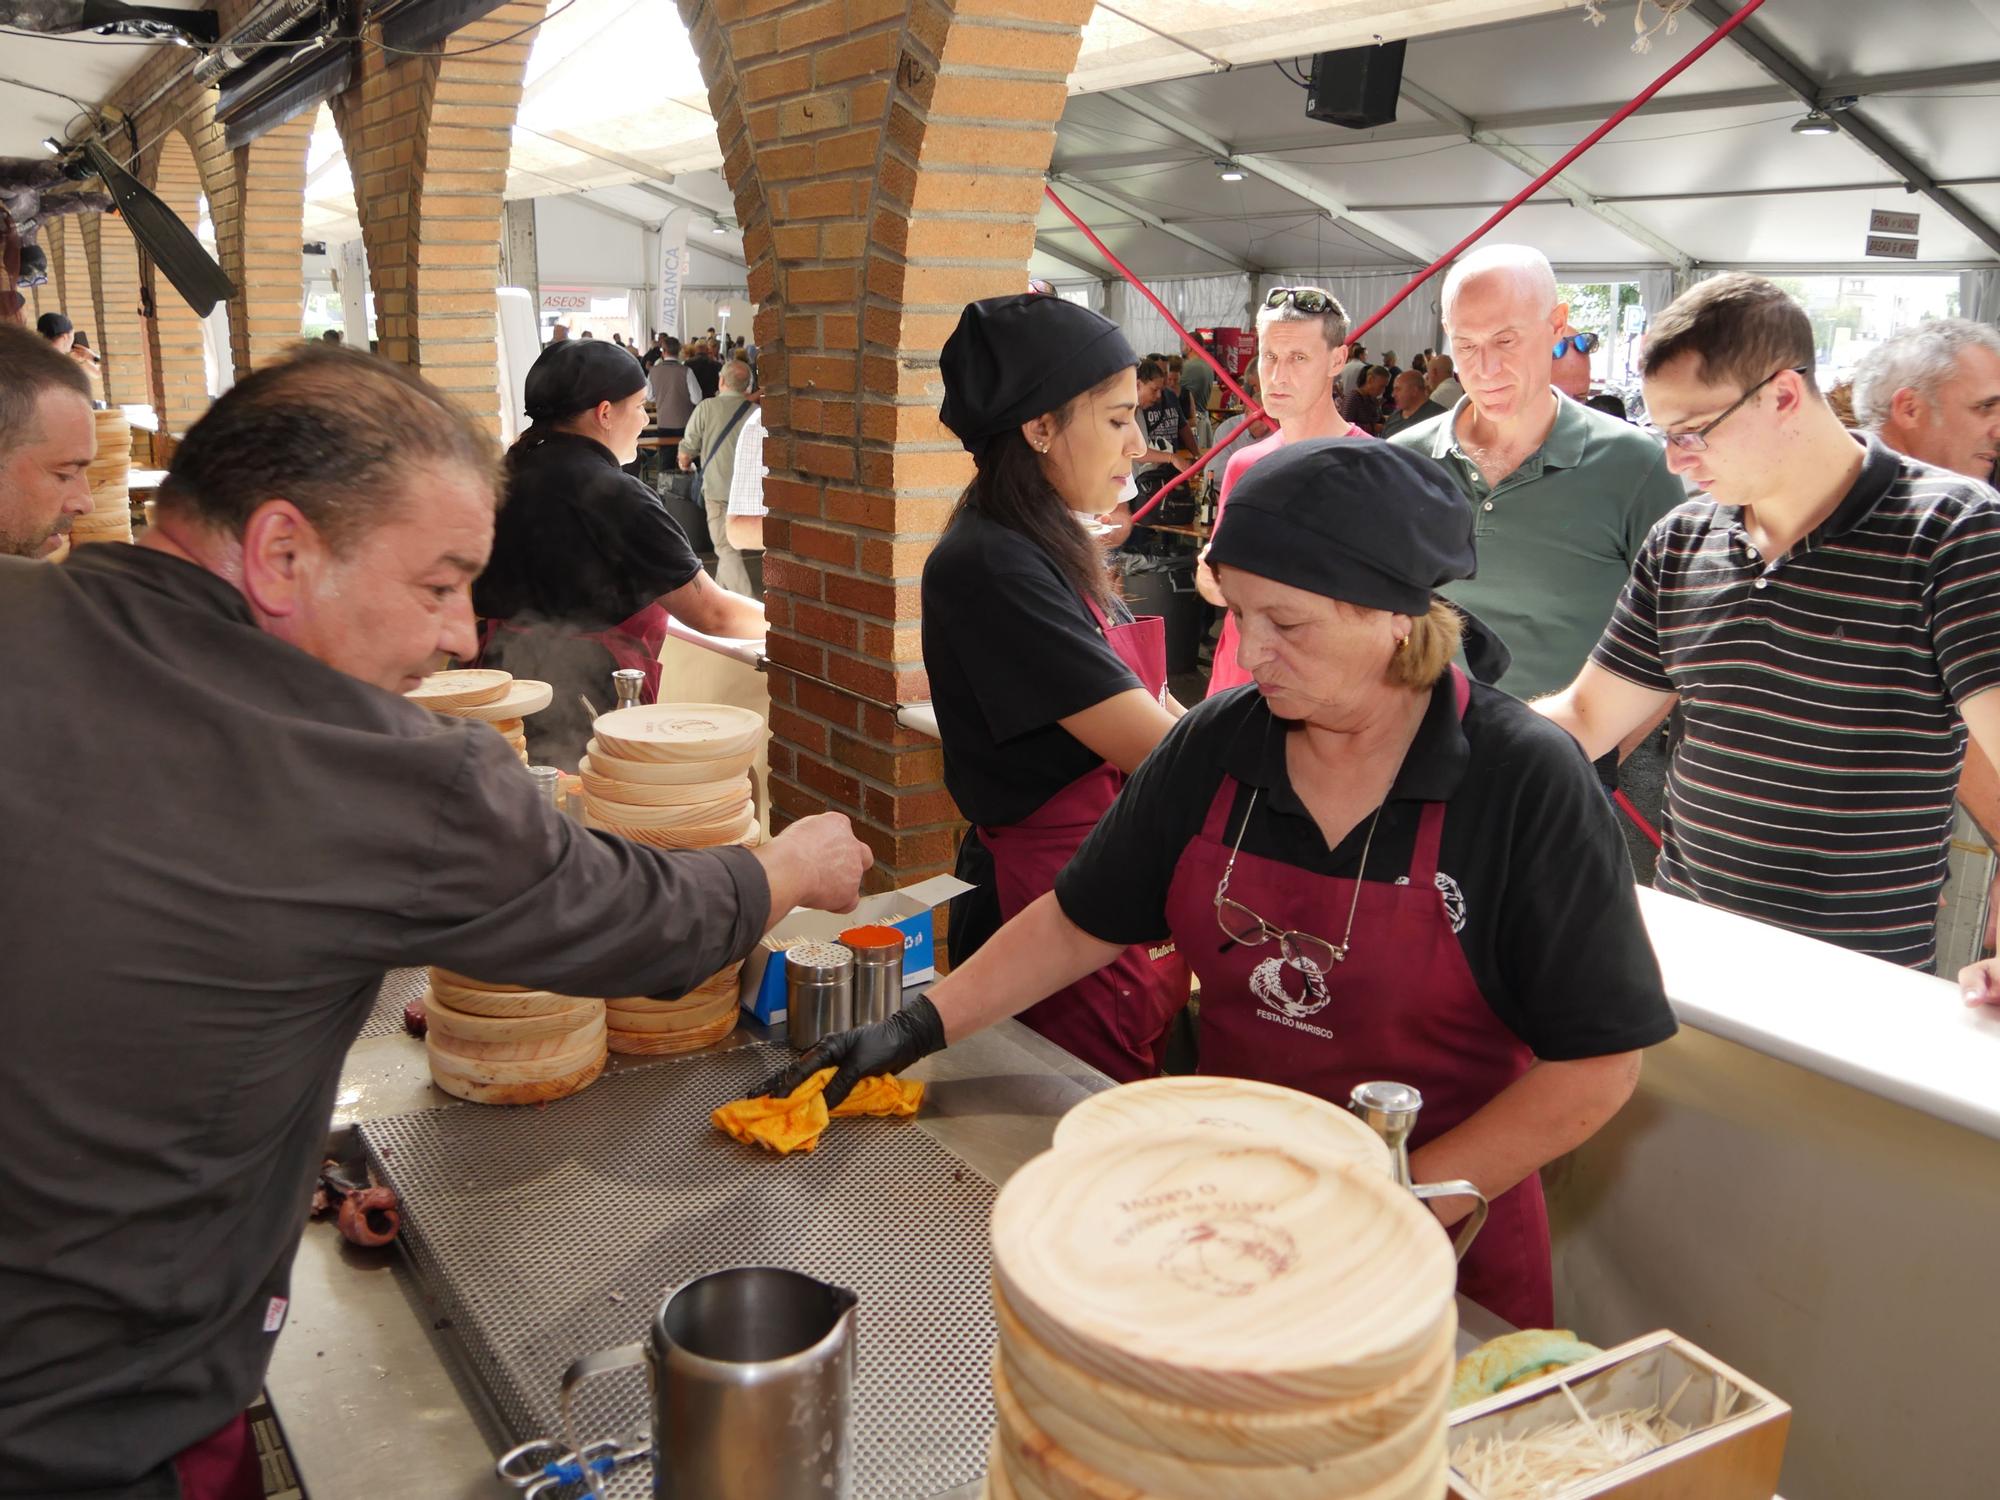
point(113, 259)
point(258, 218)
point(428, 139)
point(180, 375)
point(886, 172)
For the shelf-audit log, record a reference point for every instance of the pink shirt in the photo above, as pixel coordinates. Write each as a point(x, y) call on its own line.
point(1225, 673)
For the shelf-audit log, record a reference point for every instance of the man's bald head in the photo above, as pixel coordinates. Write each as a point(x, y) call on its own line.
point(736, 376)
point(47, 440)
point(1502, 319)
point(1517, 271)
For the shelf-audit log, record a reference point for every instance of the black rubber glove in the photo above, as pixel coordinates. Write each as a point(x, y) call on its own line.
point(910, 1035)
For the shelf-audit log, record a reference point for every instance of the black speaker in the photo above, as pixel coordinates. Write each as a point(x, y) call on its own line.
point(1356, 87)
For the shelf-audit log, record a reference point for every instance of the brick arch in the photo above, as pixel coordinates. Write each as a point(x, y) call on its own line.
point(427, 141)
point(112, 262)
point(886, 157)
point(179, 373)
point(257, 199)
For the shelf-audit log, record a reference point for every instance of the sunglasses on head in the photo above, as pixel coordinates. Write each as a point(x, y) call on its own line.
point(1584, 343)
point(1307, 299)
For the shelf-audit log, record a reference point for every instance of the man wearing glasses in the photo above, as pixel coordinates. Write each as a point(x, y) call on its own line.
point(1826, 613)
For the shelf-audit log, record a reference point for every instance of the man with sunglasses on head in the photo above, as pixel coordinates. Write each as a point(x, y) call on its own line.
point(1301, 348)
point(1826, 614)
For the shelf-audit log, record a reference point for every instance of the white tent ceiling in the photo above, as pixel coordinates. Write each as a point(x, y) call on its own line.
point(1710, 172)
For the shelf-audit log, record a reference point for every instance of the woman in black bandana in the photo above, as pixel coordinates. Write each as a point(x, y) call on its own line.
point(587, 564)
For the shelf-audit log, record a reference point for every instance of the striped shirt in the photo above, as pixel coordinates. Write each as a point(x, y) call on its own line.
point(1813, 785)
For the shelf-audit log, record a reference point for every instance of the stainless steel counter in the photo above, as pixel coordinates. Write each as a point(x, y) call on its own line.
point(372, 1402)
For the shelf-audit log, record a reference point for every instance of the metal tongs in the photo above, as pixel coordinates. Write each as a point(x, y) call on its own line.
point(545, 1470)
point(1390, 1110)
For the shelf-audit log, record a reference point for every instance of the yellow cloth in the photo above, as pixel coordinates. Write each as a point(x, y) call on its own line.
point(1515, 1359)
point(796, 1122)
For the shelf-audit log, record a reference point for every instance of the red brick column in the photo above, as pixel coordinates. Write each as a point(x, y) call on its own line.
point(55, 245)
point(180, 375)
point(427, 139)
point(258, 204)
point(112, 259)
point(886, 157)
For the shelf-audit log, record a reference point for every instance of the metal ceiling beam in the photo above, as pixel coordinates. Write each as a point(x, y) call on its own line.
point(1153, 221)
point(1384, 239)
point(1859, 85)
point(1528, 163)
point(1812, 92)
point(1043, 246)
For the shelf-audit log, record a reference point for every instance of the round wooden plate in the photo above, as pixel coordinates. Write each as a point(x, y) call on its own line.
point(667, 773)
point(513, 1003)
point(524, 696)
point(521, 1093)
point(647, 794)
point(447, 692)
point(723, 982)
point(467, 982)
point(660, 1019)
point(1301, 1435)
point(521, 1070)
point(679, 732)
point(525, 1049)
point(1210, 1270)
point(463, 1026)
point(667, 838)
point(717, 815)
point(665, 1043)
point(1197, 1101)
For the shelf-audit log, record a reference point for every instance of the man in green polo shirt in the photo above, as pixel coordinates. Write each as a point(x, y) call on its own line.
point(1564, 495)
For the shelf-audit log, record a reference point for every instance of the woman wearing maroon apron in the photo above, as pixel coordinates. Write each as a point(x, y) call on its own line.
point(1048, 693)
point(1378, 869)
point(587, 564)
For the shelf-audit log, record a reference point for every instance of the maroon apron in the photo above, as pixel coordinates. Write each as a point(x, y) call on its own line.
point(633, 642)
point(1403, 1006)
point(222, 1466)
point(1116, 1019)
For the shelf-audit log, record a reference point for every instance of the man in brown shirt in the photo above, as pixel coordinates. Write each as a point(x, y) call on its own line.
point(224, 824)
point(47, 440)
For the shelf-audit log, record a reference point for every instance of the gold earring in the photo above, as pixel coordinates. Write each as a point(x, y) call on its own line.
point(1402, 641)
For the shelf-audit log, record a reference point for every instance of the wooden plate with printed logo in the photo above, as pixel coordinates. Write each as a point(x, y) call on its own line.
point(680, 732)
point(524, 696)
point(1201, 1101)
point(1208, 1269)
point(465, 687)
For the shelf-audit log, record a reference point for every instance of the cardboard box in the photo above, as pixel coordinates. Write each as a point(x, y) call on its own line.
point(907, 910)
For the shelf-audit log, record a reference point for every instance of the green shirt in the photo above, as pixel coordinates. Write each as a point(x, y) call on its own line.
point(1557, 537)
point(703, 429)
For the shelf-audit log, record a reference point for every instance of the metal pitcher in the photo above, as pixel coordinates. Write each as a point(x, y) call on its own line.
point(752, 1376)
point(1390, 1110)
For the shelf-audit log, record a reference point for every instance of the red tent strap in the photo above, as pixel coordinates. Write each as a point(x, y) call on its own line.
point(1623, 113)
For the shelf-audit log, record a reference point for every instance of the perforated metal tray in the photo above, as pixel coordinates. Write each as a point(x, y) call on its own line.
point(546, 1233)
point(399, 988)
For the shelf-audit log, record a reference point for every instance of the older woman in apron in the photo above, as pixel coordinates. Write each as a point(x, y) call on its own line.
point(587, 565)
point(1048, 692)
point(1379, 868)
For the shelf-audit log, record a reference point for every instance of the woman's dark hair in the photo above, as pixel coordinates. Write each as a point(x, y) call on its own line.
point(1010, 489)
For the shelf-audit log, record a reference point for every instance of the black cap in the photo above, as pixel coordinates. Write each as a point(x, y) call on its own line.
point(576, 374)
point(53, 325)
point(1012, 359)
point(1360, 520)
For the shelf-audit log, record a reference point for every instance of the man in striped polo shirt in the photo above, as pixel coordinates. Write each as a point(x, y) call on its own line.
point(1829, 614)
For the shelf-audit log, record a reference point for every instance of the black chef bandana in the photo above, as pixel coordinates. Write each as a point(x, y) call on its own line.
point(1357, 519)
point(576, 374)
point(1012, 359)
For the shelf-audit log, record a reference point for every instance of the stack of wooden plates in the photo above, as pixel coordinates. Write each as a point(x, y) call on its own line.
point(110, 517)
point(675, 775)
point(1199, 1101)
point(500, 1044)
point(495, 698)
point(1213, 1313)
point(700, 1018)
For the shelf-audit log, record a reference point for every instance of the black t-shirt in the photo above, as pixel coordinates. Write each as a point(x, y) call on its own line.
point(1010, 649)
point(579, 542)
point(1550, 919)
point(707, 375)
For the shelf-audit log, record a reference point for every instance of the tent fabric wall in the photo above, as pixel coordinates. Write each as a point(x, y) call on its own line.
point(1657, 290)
point(1088, 294)
point(1979, 296)
point(1198, 301)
